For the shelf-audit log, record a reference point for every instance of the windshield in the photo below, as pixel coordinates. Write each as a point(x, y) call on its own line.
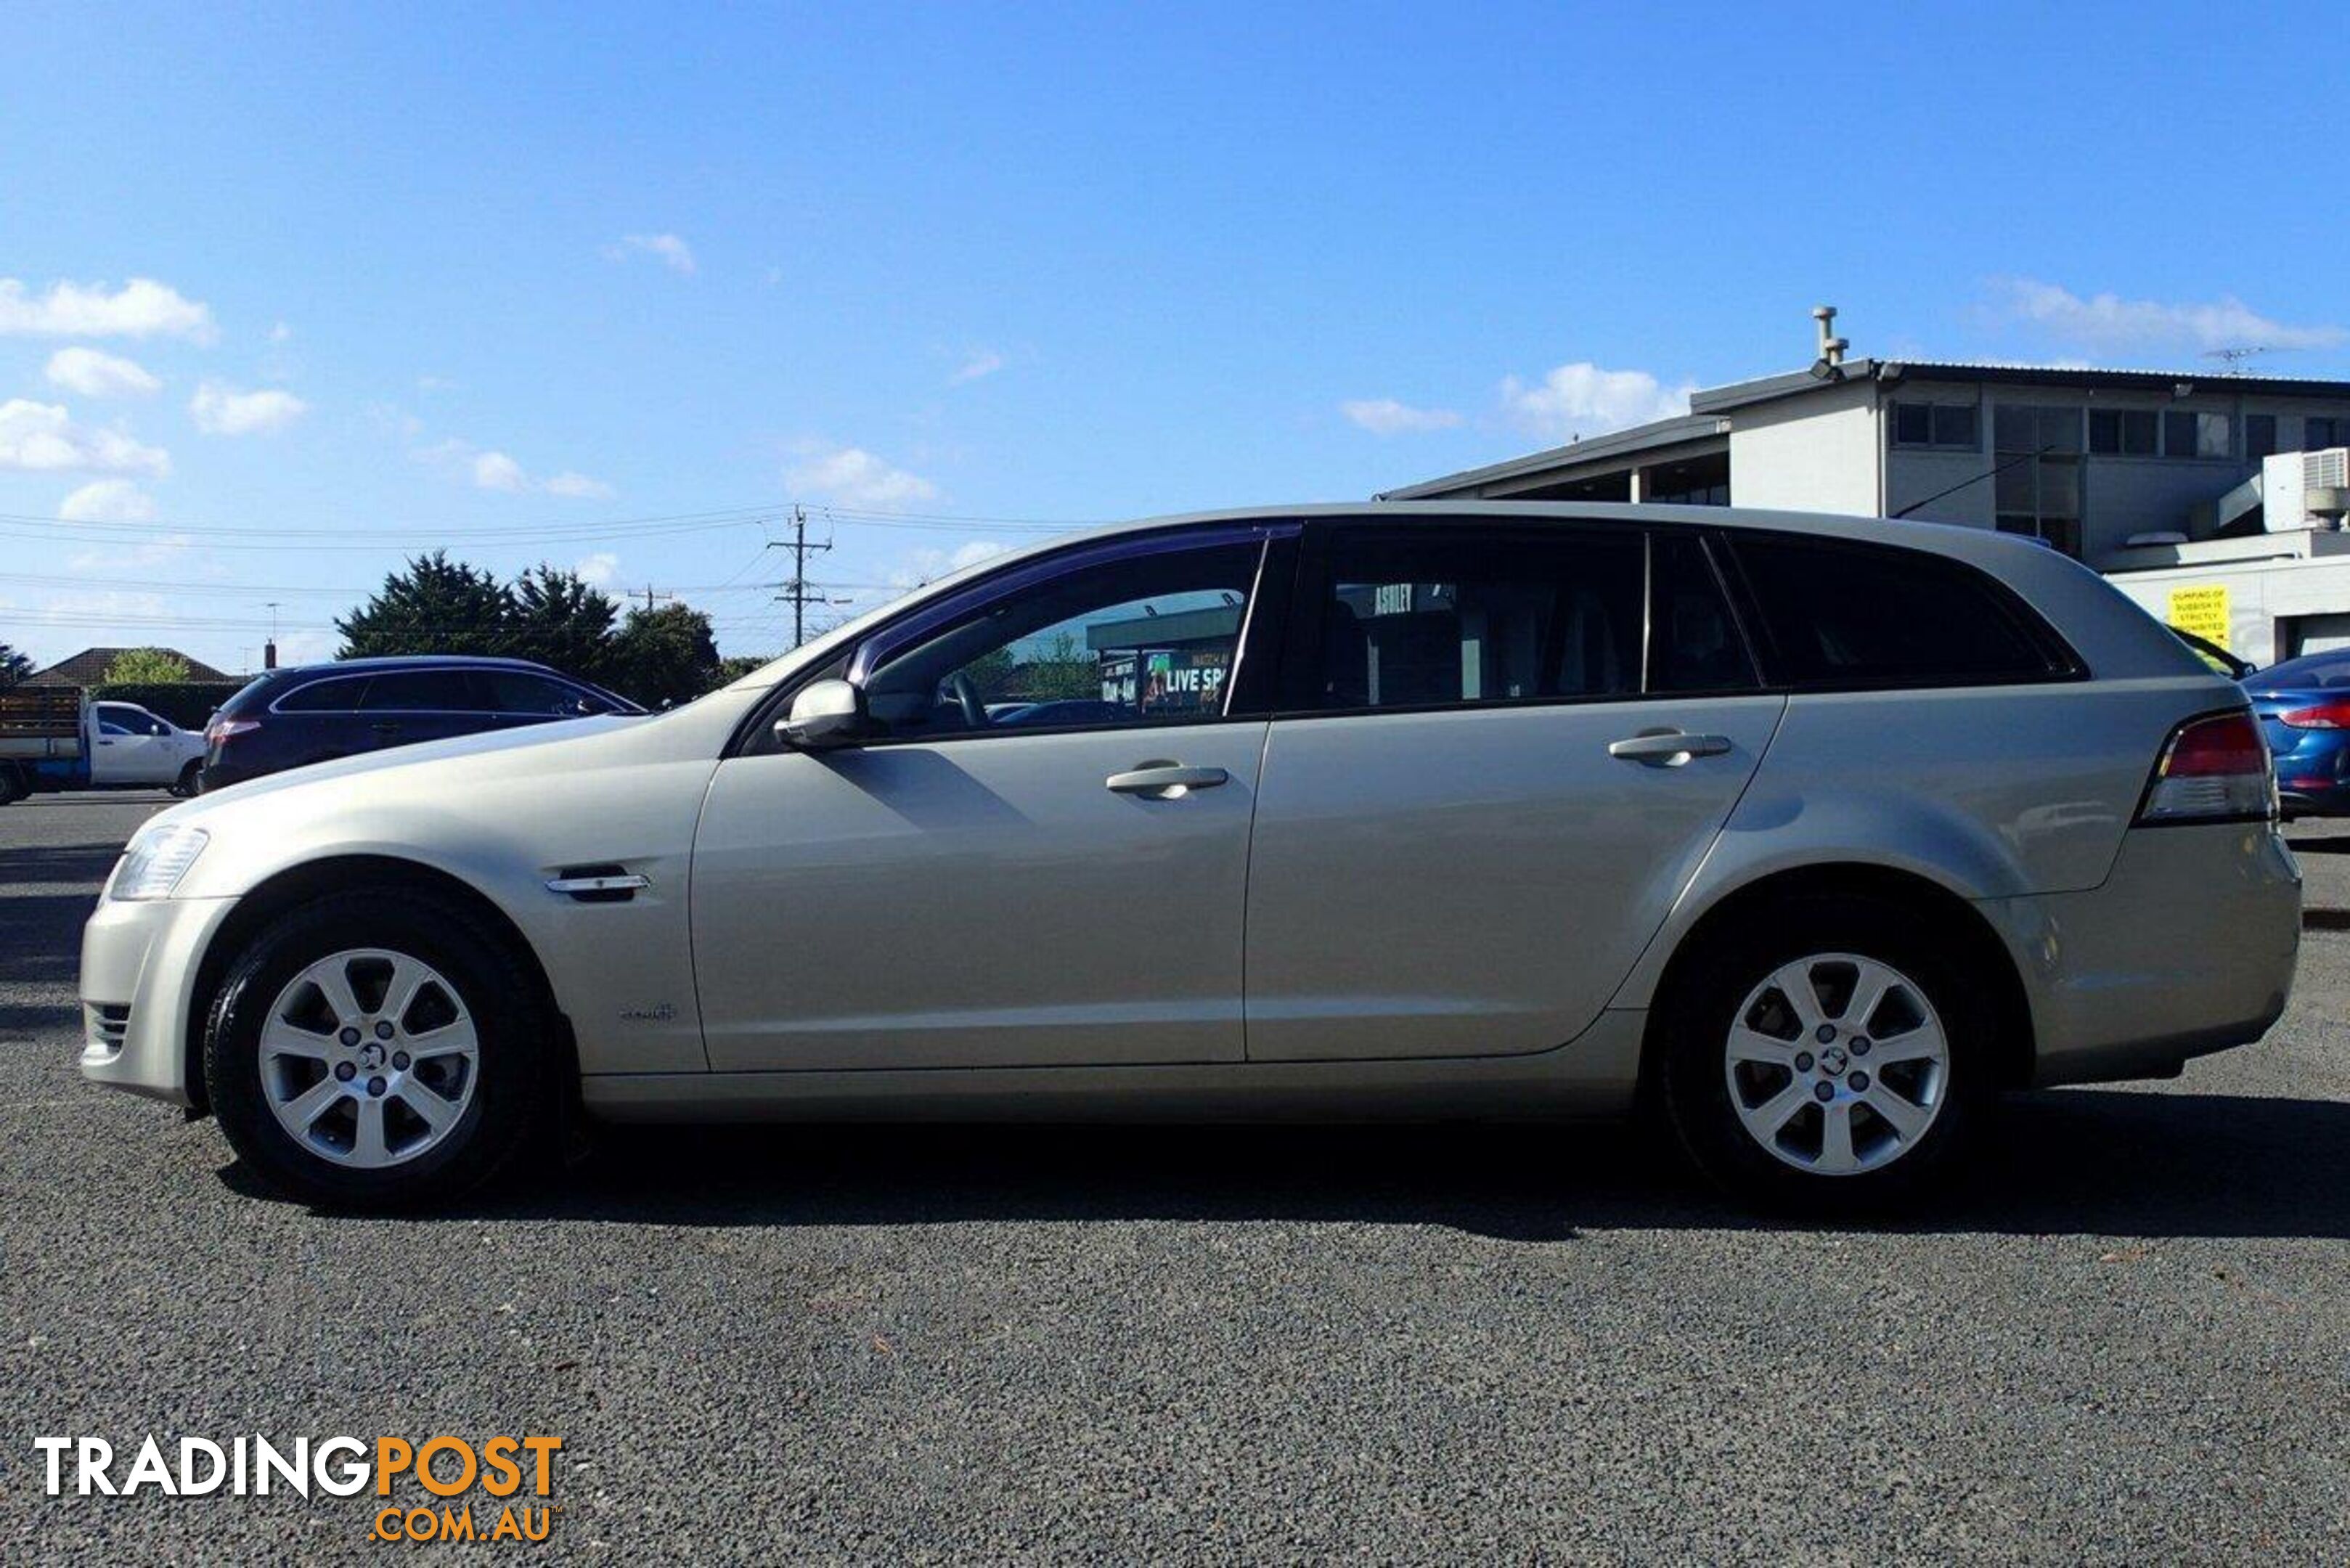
point(2317, 670)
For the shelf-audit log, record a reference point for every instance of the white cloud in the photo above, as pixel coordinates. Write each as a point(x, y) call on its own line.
point(96, 375)
point(600, 569)
point(1386, 416)
point(579, 487)
point(171, 549)
point(221, 410)
point(140, 308)
point(980, 362)
point(281, 333)
point(496, 471)
point(1581, 400)
point(108, 501)
point(43, 437)
point(673, 251)
point(852, 475)
point(928, 564)
point(2107, 323)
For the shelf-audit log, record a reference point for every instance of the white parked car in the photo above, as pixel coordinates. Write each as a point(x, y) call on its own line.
point(1816, 832)
point(137, 747)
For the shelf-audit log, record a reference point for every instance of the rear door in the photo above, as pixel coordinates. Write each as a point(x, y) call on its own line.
point(1503, 751)
point(403, 707)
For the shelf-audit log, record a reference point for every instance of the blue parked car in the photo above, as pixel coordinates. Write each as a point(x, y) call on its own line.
point(2303, 706)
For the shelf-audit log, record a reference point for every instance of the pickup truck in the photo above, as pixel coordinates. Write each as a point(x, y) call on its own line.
point(55, 738)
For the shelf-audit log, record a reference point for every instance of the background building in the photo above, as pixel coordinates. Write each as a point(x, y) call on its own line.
point(2215, 499)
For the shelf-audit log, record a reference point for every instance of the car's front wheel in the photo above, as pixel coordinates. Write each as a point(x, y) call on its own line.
point(1835, 1053)
point(377, 1048)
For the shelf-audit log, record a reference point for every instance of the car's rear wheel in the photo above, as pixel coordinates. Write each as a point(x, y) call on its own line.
point(1834, 1053)
point(190, 781)
point(378, 1049)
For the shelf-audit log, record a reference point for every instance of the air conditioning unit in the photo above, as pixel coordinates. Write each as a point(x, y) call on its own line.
point(2306, 489)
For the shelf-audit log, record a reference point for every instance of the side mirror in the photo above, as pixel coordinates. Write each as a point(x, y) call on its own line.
point(825, 713)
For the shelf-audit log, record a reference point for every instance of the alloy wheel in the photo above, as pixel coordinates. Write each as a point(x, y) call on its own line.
point(1837, 1064)
point(368, 1058)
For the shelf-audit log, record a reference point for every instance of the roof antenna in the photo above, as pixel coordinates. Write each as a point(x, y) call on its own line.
point(2234, 355)
point(1832, 347)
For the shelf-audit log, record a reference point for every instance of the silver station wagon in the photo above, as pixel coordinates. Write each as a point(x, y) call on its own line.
point(1811, 834)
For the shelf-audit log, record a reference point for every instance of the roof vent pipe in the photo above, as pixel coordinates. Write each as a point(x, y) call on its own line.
point(1832, 347)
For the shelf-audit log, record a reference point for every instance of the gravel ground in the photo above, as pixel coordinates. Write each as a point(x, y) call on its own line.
point(2128, 1341)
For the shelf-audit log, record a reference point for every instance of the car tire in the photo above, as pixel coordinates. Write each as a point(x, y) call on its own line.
point(190, 781)
point(1757, 1080)
point(374, 1101)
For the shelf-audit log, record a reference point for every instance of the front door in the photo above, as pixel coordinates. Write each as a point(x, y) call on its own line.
point(1007, 873)
point(1515, 749)
point(129, 753)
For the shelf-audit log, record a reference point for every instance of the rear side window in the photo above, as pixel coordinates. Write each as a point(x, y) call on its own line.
point(340, 695)
point(419, 692)
point(1411, 620)
point(1693, 643)
point(1837, 614)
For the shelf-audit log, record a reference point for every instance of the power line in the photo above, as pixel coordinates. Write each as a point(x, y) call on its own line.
point(798, 592)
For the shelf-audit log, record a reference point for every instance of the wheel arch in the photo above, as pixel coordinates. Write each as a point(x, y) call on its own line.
point(1953, 916)
point(295, 885)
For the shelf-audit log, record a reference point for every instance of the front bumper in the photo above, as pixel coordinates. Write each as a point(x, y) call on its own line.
point(2187, 948)
point(138, 963)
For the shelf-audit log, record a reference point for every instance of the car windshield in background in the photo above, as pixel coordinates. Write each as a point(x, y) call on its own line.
point(2313, 671)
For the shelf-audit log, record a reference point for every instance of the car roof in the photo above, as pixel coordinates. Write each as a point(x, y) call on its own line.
point(420, 662)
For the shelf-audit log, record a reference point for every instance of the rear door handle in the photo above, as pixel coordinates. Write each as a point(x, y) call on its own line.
point(1165, 780)
point(385, 729)
point(1668, 748)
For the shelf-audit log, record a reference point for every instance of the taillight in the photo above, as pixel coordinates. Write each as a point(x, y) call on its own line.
point(2216, 768)
point(220, 729)
point(2333, 715)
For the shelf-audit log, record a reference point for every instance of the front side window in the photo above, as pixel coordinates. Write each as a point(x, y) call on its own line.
point(1147, 639)
point(520, 691)
point(1839, 614)
point(1481, 617)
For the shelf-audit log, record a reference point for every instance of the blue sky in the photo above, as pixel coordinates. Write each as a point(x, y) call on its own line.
point(514, 279)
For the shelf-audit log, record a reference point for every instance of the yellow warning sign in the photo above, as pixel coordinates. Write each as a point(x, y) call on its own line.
point(2202, 611)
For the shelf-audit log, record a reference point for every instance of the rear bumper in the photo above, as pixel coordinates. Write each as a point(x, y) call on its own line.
point(2187, 948)
point(142, 956)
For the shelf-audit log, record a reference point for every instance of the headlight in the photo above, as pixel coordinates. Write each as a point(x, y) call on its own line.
point(155, 862)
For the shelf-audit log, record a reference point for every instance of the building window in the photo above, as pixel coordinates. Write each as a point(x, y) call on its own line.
point(2318, 432)
point(2260, 436)
point(1937, 424)
point(2128, 431)
point(2186, 433)
point(2036, 474)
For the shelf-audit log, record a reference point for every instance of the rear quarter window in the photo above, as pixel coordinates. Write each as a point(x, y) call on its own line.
point(1840, 614)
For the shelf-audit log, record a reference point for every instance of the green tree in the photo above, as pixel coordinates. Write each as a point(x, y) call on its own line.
point(14, 665)
point(1063, 668)
point(735, 666)
point(435, 605)
point(558, 618)
point(146, 667)
point(665, 655)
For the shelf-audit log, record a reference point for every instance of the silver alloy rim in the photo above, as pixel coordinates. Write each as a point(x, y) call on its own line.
point(1837, 1064)
point(368, 1058)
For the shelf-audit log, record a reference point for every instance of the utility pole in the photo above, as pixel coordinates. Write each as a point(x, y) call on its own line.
point(650, 597)
point(797, 591)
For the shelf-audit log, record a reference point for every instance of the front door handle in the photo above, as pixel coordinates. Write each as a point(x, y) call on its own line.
point(385, 729)
point(1667, 748)
point(1165, 780)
